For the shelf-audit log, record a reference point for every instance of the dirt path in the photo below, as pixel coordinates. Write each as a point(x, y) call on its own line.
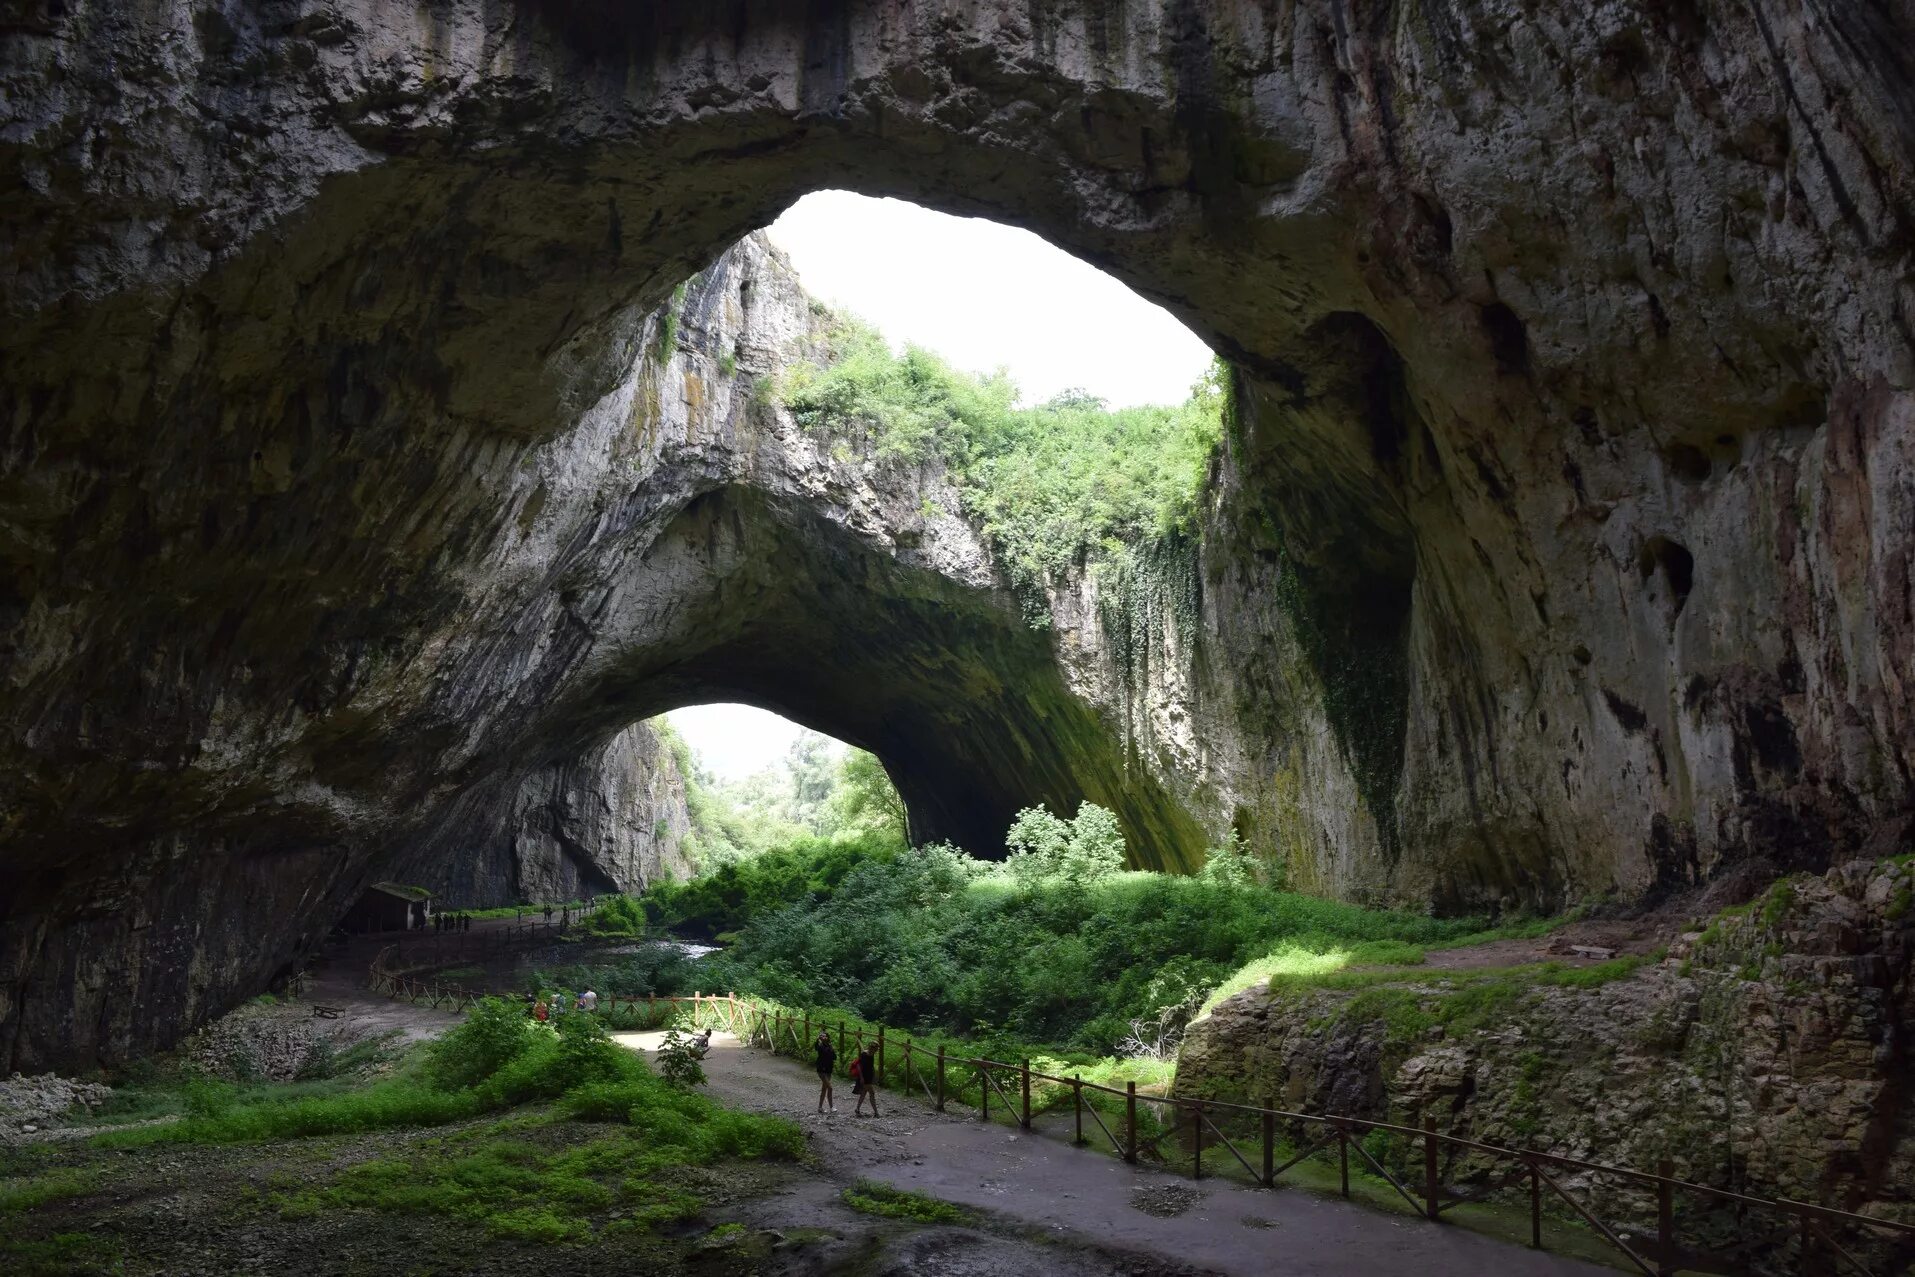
point(1048, 1185)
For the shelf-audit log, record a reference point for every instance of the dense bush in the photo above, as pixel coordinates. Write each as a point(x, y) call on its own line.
point(1055, 946)
point(728, 897)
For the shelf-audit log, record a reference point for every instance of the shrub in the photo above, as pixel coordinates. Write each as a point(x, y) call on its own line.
point(874, 1198)
point(678, 1063)
point(493, 1033)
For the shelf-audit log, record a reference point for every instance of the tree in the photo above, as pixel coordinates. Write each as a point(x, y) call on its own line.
point(813, 774)
point(865, 797)
point(1081, 850)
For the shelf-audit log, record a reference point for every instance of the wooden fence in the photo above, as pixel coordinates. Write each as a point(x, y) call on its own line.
point(425, 950)
point(1135, 1131)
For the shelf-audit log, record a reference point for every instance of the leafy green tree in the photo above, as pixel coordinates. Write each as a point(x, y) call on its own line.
point(865, 797)
point(1081, 850)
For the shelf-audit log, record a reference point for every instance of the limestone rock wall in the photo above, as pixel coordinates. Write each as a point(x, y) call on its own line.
point(1768, 1053)
point(1560, 546)
point(613, 819)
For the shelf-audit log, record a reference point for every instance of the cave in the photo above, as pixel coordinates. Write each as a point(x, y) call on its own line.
point(364, 460)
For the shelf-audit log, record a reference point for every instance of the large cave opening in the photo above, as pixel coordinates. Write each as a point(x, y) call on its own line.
point(875, 542)
point(364, 457)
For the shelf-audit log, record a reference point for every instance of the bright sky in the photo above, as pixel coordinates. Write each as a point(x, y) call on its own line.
point(984, 296)
point(735, 740)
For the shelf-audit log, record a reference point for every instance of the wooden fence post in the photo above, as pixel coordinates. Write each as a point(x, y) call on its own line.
point(651, 1009)
point(940, 1077)
point(881, 1074)
point(1130, 1122)
point(1343, 1158)
point(1024, 1083)
point(807, 1032)
point(841, 1037)
point(1077, 1105)
point(1535, 1206)
point(1269, 1142)
point(983, 1091)
point(1665, 1219)
point(694, 1008)
point(1430, 1187)
point(1197, 1142)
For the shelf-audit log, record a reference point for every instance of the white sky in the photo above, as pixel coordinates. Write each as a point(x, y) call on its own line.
point(735, 740)
point(984, 296)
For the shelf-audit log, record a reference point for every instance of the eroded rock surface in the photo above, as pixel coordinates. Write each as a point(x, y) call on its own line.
point(613, 819)
point(1769, 1052)
point(1561, 544)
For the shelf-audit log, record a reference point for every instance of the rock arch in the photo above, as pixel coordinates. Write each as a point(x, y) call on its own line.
point(1480, 273)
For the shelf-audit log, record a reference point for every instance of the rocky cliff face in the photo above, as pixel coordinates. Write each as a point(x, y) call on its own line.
point(1768, 1053)
point(613, 819)
point(685, 541)
point(1561, 545)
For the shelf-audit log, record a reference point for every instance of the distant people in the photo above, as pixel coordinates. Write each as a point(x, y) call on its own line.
point(540, 1011)
point(588, 1001)
point(465, 922)
point(864, 1080)
point(701, 1043)
point(548, 915)
point(827, 1061)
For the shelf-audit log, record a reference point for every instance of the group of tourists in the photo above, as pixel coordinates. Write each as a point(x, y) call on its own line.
point(444, 922)
point(863, 1073)
point(543, 1010)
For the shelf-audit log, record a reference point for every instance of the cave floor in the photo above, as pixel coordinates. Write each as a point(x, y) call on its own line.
point(1038, 1181)
point(1042, 1206)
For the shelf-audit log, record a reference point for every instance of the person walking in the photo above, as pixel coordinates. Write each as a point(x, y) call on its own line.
point(864, 1080)
point(827, 1060)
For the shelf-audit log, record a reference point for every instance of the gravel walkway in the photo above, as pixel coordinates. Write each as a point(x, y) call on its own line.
point(1047, 1184)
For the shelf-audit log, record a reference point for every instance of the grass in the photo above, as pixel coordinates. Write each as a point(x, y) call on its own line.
point(1459, 1001)
point(61, 1255)
point(873, 1198)
point(18, 1194)
point(516, 1187)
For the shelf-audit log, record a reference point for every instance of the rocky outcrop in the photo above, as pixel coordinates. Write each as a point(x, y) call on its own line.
point(1560, 545)
point(685, 542)
point(1767, 1053)
point(614, 819)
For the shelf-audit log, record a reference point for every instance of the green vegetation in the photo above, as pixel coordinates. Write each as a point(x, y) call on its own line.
point(814, 793)
point(1056, 947)
point(519, 1179)
point(806, 870)
point(873, 1198)
point(668, 323)
point(38, 1190)
point(61, 1254)
point(1066, 482)
point(678, 1063)
point(517, 1186)
point(497, 1058)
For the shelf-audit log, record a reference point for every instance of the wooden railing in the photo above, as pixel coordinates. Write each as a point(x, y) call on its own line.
point(423, 950)
point(1198, 1124)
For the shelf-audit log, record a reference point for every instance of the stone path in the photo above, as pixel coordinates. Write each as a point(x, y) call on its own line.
point(1049, 1185)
